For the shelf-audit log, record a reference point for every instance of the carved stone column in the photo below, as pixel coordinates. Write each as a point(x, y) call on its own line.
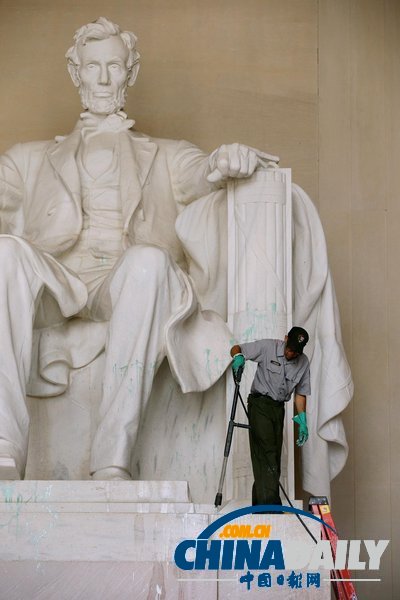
point(259, 297)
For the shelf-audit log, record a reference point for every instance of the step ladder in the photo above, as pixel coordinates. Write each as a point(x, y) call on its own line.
point(342, 584)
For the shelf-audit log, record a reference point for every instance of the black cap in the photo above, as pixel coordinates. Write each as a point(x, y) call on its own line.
point(297, 339)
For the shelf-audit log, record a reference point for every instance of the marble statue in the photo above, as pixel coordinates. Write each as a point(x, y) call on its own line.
point(88, 231)
point(111, 239)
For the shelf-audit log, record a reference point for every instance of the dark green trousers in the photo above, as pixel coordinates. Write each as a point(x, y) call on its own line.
point(266, 417)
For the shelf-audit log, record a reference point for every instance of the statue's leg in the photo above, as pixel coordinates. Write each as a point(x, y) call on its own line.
point(144, 290)
point(19, 289)
point(24, 273)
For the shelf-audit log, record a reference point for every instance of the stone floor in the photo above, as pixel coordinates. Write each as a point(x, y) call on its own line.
point(84, 540)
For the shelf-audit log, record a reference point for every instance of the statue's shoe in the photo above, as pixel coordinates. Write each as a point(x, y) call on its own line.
point(8, 464)
point(111, 474)
point(8, 468)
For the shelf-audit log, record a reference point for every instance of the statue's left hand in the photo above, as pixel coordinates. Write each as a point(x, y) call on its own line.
point(237, 161)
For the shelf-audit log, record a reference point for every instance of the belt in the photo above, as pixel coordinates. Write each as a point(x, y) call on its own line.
point(255, 395)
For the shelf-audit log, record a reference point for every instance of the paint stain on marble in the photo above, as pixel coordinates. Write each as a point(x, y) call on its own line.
point(259, 323)
point(15, 505)
point(207, 352)
point(20, 519)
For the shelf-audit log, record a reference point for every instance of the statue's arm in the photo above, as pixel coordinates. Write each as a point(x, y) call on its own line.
point(189, 169)
point(11, 191)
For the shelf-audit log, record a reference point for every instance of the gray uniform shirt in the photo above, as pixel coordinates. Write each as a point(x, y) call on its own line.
point(276, 376)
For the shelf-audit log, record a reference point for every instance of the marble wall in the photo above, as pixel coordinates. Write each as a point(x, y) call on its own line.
point(359, 178)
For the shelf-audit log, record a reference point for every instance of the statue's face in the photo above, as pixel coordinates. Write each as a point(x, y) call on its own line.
point(103, 75)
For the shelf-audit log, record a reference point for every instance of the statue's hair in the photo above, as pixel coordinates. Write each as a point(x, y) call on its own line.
point(102, 29)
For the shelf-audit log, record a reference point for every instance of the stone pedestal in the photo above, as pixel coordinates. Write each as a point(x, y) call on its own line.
point(87, 540)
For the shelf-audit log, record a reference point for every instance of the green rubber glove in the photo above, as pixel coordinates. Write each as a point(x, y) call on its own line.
point(301, 420)
point(238, 365)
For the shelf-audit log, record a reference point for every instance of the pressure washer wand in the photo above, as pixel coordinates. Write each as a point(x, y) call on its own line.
point(229, 434)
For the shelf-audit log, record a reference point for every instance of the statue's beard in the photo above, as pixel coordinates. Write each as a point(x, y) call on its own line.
point(103, 106)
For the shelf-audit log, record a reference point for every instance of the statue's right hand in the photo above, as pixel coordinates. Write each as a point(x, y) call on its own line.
point(237, 161)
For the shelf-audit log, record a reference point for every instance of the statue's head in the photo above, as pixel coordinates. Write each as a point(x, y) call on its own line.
point(102, 63)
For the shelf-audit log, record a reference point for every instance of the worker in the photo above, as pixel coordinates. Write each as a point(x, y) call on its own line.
point(282, 369)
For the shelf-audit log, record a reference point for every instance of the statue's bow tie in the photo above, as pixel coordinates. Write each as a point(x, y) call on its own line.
point(114, 123)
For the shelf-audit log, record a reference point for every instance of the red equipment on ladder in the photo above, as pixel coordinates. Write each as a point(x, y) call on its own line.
point(342, 584)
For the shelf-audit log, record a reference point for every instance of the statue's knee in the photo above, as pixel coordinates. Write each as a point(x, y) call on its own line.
point(146, 262)
point(12, 255)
